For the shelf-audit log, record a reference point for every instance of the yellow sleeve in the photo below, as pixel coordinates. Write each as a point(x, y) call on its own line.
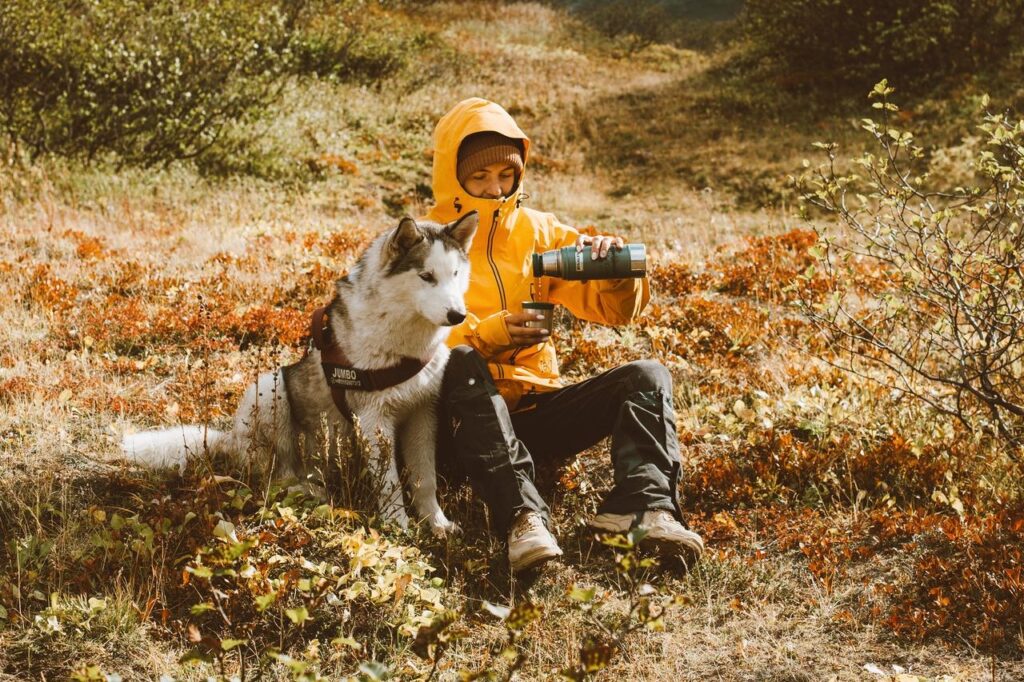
point(488, 336)
point(606, 301)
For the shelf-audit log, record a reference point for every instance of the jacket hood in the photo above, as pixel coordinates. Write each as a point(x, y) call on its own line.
point(469, 116)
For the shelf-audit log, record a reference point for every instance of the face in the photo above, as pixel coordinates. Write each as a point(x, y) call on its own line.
point(492, 182)
point(431, 268)
point(440, 285)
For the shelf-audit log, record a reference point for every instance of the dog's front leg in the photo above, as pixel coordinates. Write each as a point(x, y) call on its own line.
point(380, 434)
point(418, 447)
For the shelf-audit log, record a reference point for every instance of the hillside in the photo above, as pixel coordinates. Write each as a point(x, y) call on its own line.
point(853, 532)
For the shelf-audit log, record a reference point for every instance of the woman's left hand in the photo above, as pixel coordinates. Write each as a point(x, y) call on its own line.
point(600, 244)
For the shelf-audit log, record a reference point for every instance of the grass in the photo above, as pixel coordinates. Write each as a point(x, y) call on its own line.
point(149, 297)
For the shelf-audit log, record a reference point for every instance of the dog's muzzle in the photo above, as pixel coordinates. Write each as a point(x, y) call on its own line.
point(455, 317)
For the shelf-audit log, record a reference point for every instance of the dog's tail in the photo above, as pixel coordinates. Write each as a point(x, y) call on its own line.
point(171, 447)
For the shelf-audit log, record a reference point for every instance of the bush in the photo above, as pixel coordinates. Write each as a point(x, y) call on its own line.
point(860, 41)
point(349, 40)
point(945, 321)
point(153, 82)
point(638, 23)
point(149, 81)
point(694, 24)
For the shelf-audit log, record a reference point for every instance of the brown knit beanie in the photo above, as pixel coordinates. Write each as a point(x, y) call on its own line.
point(480, 150)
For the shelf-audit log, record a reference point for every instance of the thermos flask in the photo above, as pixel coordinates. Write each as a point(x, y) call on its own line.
point(568, 263)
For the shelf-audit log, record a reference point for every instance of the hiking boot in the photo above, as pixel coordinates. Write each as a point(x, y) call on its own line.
point(664, 533)
point(530, 542)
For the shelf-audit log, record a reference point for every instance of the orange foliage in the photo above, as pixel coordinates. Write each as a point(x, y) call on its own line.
point(87, 248)
point(675, 278)
point(774, 269)
point(51, 293)
point(15, 389)
point(966, 582)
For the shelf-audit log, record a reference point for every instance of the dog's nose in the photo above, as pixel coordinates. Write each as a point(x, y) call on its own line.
point(455, 317)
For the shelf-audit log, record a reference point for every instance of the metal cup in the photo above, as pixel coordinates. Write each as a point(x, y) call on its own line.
point(540, 308)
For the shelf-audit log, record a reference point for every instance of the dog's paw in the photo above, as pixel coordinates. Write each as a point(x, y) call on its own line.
point(441, 527)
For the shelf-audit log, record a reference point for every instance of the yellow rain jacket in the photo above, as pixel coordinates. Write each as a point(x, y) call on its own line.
point(501, 272)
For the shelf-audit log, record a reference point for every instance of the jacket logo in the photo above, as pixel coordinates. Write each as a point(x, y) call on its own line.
point(458, 205)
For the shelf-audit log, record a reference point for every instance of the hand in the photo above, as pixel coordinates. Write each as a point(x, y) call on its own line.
point(600, 245)
point(522, 335)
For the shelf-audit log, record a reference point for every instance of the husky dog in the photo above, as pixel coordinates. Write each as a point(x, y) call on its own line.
point(396, 304)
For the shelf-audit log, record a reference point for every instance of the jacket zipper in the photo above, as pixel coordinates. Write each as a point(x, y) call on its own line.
point(494, 266)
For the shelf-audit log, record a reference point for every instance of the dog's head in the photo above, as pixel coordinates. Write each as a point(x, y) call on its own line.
point(430, 266)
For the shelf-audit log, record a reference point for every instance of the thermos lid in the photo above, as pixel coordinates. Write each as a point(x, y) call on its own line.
point(637, 257)
point(538, 265)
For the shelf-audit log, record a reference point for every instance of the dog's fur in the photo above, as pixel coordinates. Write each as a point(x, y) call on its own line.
point(399, 299)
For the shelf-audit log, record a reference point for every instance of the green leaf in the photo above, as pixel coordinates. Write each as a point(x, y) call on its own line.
point(297, 615)
point(265, 600)
point(582, 595)
point(229, 644)
point(617, 541)
point(225, 530)
point(200, 609)
point(347, 641)
point(200, 571)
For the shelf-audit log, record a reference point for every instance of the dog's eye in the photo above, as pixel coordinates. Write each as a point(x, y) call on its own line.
point(428, 277)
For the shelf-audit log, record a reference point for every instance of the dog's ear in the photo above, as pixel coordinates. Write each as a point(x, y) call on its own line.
point(406, 236)
point(463, 229)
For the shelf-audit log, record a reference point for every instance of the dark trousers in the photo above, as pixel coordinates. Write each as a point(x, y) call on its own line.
point(631, 403)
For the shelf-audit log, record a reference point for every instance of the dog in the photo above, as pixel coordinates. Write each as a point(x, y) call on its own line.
point(394, 308)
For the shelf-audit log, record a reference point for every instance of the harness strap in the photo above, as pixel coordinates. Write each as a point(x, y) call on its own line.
point(341, 375)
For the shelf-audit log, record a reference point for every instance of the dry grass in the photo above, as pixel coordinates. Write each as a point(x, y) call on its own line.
point(117, 284)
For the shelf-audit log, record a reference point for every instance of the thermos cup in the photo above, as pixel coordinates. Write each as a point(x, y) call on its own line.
point(540, 308)
point(568, 263)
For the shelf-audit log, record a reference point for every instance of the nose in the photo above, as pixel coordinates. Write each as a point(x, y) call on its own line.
point(455, 317)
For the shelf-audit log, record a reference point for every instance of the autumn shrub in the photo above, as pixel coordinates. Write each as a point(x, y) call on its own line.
point(947, 326)
point(641, 23)
point(637, 23)
point(967, 578)
point(844, 42)
point(149, 82)
point(794, 467)
point(254, 578)
point(354, 41)
point(773, 269)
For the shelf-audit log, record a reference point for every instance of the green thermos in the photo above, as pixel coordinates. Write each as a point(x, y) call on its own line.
point(568, 263)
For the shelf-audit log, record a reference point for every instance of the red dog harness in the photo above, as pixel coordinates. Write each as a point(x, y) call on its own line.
point(341, 375)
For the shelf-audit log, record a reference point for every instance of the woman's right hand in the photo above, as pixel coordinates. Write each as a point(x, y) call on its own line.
point(522, 335)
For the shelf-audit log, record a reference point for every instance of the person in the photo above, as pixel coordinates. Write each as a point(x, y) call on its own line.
point(502, 400)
